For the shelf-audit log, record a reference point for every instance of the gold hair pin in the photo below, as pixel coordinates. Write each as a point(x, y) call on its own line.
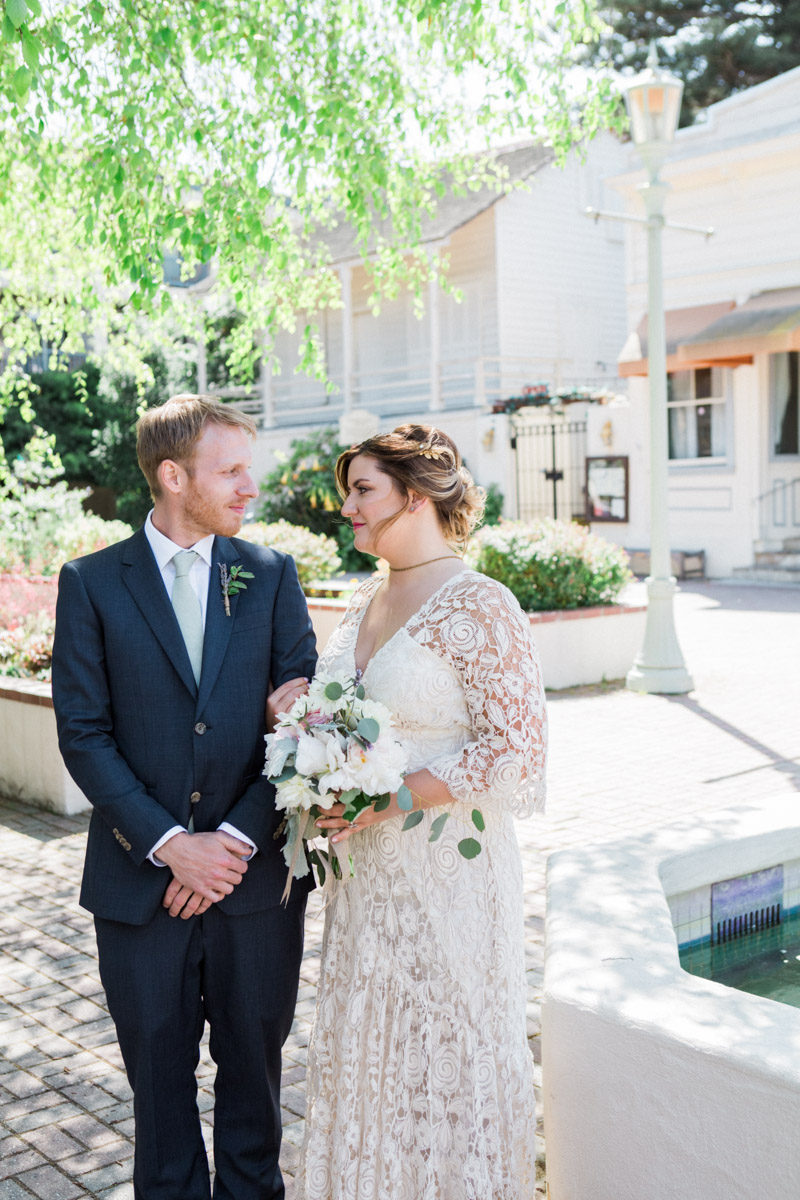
point(434, 452)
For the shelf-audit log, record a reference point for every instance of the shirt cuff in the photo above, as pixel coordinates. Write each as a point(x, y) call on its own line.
point(226, 827)
point(169, 834)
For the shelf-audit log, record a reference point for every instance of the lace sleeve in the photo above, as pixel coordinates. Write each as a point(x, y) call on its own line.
point(481, 630)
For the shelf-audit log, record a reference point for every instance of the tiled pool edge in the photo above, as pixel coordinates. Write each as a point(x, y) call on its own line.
point(655, 1080)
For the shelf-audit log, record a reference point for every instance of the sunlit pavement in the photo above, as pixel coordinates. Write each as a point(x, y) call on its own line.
point(620, 763)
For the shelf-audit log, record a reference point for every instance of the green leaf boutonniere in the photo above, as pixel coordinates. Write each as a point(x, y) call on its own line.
point(232, 582)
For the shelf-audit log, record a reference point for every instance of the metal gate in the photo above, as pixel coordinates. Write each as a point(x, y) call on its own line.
point(550, 456)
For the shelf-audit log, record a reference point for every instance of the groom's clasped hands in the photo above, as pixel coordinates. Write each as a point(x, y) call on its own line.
point(205, 867)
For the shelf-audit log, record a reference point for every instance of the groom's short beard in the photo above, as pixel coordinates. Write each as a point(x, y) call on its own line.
point(210, 516)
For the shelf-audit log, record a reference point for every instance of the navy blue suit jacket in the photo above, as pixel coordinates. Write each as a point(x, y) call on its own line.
point(140, 738)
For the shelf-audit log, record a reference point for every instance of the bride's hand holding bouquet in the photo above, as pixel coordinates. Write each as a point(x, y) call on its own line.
point(332, 753)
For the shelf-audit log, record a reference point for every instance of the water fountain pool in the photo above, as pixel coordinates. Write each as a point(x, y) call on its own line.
point(659, 1084)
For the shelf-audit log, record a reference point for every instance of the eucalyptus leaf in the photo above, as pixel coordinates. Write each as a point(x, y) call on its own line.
point(382, 803)
point(477, 820)
point(286, 773)
point(412, 819)
point(316, 859)
point(437, 827)
point(349, 796)
point(469, 848)
point(369, 729)
point(333, 691)
point(405, 801)
point(360, 692)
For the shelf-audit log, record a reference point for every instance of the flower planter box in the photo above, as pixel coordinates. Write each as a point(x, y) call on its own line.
point(576, 646)
point(579, 646)
point(31, 768)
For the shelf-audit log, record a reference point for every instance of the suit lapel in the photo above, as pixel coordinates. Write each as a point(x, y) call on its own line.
point(218, 624)
point(143, 580)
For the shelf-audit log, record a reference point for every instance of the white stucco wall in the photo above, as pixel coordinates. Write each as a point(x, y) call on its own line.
point(711, 508)
point(739, 172)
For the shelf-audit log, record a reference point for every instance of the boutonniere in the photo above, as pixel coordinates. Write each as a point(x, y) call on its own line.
point(232, 582)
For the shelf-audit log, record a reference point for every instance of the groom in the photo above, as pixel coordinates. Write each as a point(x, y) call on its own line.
point(166, 646)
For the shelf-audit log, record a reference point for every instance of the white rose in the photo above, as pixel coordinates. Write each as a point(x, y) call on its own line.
point(295, 793)
point(312, 753)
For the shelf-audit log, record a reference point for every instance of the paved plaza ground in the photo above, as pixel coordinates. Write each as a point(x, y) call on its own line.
point(619, 763)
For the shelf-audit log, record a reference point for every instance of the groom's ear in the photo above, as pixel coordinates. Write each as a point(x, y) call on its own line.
point(172, 476)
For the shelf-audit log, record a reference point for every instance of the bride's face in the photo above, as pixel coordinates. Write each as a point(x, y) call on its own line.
point(372, 497)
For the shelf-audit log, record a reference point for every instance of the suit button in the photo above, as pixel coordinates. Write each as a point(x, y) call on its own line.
point(195, 797)
point(200, 727)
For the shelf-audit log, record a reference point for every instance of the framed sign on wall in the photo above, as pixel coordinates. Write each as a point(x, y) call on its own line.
point(607, 488)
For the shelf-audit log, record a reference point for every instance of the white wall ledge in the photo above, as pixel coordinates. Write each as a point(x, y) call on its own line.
point(656, 1080)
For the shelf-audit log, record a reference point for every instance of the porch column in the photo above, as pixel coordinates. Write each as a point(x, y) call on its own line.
point(348, 344)
point(202, 368)
point(436, 337)
point(266, 393)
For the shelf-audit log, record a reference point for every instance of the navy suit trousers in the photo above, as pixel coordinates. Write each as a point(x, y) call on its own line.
point(163, 981)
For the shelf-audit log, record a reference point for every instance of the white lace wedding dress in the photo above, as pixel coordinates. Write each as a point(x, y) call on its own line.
point(420, 1080)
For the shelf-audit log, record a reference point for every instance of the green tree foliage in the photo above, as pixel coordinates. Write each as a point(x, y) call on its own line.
point(717, 47)
point(64, 404)
point(232, 131)
point(91, 421)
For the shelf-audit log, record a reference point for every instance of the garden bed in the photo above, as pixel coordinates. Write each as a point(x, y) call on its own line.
point(576, 646)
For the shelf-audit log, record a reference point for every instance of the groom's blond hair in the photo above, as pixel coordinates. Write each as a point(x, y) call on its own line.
point(173, 430)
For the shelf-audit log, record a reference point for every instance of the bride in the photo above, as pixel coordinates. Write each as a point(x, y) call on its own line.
point(420, 1080)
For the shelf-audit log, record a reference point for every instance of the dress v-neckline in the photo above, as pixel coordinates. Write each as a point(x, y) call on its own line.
point(360, 672)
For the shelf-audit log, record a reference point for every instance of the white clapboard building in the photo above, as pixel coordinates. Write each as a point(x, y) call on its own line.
point(541, 304)
point(732, 304)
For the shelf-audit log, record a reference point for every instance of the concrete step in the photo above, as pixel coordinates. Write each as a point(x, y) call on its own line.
point(792, 545)
point(782, 575)
point(782, 560)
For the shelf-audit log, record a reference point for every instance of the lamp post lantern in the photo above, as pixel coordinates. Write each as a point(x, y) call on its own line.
point(653, 100)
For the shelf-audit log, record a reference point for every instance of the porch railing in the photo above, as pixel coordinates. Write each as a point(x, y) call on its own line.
point(779, 509)
point(411, 388)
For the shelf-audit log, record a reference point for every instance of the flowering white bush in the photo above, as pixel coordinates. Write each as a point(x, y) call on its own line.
point(550, 564)
point(315, 554)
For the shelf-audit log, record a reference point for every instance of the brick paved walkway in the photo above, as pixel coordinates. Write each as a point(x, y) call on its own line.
point(619, 763)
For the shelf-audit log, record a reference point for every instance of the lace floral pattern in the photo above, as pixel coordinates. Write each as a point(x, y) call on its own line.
point(420, 1082)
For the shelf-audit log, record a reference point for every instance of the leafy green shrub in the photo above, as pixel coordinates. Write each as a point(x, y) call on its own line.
point(315, 554)
point(42, 521)
point(92, 419)
point(550, 564)
point(301, 490)
point(493, 508)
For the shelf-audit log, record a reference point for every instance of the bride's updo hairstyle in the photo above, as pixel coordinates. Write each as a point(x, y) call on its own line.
point(423, 460)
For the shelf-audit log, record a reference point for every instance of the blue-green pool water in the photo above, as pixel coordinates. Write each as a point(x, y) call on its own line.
point(766, 963)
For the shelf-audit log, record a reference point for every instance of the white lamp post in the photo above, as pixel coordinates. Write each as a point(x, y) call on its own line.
point(653, 100)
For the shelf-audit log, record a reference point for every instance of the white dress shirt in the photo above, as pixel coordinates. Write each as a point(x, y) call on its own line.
point(164, 551)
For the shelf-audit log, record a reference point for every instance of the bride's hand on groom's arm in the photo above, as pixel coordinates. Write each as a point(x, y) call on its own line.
point(282, 699)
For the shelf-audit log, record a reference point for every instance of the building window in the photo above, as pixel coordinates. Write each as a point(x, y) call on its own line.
point(697, 414)
point(783, 396)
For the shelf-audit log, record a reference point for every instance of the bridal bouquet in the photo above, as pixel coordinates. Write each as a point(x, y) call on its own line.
point(333, 746)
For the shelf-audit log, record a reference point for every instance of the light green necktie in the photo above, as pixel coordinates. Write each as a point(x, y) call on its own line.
point(187, 608)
